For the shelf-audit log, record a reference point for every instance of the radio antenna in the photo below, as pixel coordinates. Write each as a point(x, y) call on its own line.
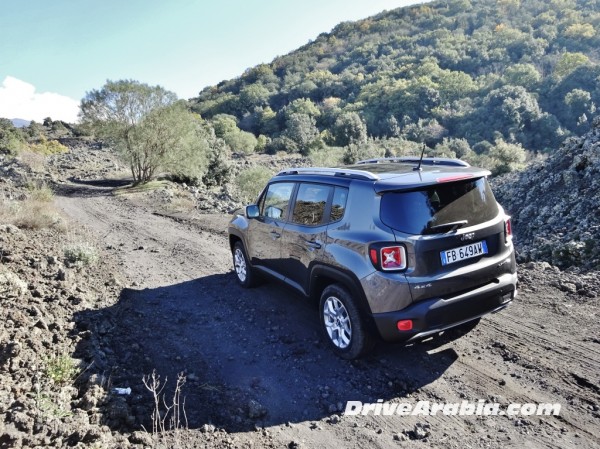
point(418, 167)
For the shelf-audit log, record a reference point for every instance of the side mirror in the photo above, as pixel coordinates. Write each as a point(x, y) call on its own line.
point(252, 211)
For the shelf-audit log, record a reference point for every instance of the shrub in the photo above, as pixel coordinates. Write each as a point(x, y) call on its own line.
point(327, 157)
point(80, 254)
point(251, 181)
point(506, 157)
point(61, 369)
point(219, 170)
point(30, 214)
point(359, 151)
point(40, 192)
point(241, 142)
point(11, 138)
point(48, 147)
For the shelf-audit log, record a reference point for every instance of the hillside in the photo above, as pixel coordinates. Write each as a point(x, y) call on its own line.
point(487, 71)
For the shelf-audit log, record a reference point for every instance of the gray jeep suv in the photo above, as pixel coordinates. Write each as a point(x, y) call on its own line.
point(398, 248)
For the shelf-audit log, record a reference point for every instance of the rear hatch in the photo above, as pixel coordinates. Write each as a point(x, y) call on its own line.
point(454, 233)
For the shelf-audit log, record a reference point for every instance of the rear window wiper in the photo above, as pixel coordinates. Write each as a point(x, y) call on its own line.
point(452, 226)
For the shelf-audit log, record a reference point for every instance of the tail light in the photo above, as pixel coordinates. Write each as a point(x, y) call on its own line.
point(404, 325)
point(388, 257)
point(507, 231)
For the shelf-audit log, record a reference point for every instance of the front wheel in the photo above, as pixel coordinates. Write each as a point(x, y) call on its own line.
point(243, 271)
point(342, 323)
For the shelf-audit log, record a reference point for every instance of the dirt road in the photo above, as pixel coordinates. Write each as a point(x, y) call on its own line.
point(257, 368)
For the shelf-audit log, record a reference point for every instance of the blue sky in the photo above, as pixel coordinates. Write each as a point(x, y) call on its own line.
point(52, 52)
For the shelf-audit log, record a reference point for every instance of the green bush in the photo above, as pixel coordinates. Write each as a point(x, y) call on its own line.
point(360, 151)
point(241, 142)
point(327, 157)
point(251, 181)
point(11, 138)
point(506, 157)
point(219, 170)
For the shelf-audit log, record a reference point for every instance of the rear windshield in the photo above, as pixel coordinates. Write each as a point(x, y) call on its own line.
point(439, 208)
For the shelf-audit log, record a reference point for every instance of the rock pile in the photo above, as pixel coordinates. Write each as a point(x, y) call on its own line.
point(555, 205)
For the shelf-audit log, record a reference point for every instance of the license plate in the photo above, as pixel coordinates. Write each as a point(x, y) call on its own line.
point(464, 252)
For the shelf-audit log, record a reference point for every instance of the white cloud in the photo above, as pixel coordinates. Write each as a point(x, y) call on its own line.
point(19, 99)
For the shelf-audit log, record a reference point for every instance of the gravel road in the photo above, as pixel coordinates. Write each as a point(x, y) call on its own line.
point(259, 374)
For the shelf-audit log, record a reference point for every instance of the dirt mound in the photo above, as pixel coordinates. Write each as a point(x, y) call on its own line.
point(555, 205)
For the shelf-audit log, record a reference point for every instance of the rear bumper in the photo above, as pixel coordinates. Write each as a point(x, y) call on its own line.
point(434, 315)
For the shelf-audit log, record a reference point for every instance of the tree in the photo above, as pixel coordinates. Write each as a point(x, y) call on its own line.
point(224, 124)
point(11, 139)
point(349, 128)
point(506, 157)
point(569, 63)
point(301, 129)
point(241, 142)
point(254, 95)
point(146, 125)
point(525, 75)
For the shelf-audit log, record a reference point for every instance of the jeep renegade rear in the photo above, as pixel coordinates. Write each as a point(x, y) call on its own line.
point(393, 248)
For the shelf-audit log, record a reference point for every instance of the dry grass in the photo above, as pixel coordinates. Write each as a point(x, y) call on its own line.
point(35, 161)
point(180, 204)
point(30, 214)
point(40, 192)
point(36, 211)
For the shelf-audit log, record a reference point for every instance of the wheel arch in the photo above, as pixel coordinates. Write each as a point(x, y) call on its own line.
point(323, 275)
point(235, 237)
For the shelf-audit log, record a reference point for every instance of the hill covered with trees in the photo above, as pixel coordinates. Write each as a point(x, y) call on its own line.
point(477, 79)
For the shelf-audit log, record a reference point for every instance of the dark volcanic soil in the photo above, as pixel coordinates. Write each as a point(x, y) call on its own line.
point(163, 298)
point(254, 358)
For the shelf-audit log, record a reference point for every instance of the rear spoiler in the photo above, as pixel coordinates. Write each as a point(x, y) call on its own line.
point(407, 181)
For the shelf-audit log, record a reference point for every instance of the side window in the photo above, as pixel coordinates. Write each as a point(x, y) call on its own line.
point(310, 204)
point(276, 200)
point(338, 205)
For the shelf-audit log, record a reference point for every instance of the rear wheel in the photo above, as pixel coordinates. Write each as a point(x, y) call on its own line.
point(243, 271)
point(342, 323)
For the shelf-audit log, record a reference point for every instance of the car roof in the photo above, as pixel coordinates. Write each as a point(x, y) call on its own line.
point(390, 174)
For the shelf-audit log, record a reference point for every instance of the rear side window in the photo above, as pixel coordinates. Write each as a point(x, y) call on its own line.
point(338, 205)
point(276, 200)
point(439, 208)
point(310, 204)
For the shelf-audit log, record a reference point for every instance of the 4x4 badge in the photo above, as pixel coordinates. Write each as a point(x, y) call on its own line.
point(469, 236)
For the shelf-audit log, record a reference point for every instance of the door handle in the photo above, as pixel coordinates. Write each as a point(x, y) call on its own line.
point(275, 234)
point(312, 245)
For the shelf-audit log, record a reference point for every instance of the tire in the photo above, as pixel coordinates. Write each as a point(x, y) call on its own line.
point(342, 323)
point(244, 273)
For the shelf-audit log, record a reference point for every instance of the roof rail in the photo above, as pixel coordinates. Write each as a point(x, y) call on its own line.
point(415, 160)
point(341, 172)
